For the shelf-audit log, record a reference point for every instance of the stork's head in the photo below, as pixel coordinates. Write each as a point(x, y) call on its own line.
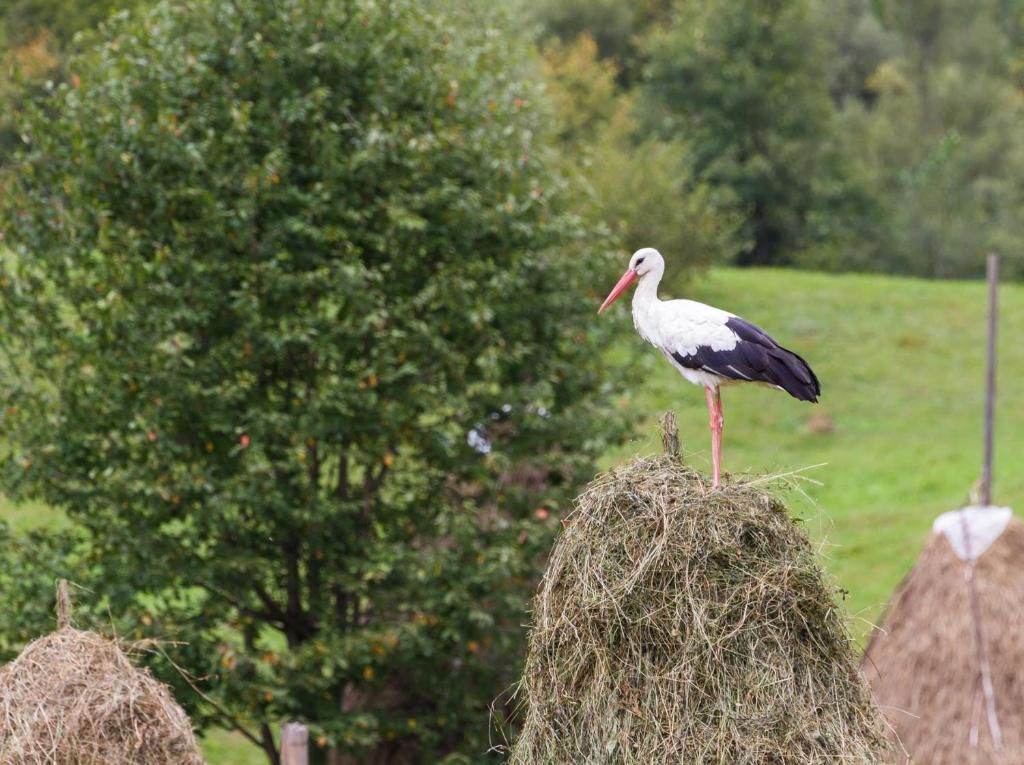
point(645, 261)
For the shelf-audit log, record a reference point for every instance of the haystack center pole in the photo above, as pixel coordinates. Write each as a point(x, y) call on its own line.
point(981, 651)
point(985, 499)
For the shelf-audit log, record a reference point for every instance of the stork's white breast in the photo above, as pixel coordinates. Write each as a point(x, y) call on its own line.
point(681, 326)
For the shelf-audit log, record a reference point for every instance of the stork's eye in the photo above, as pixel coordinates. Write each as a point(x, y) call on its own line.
point(639, 261)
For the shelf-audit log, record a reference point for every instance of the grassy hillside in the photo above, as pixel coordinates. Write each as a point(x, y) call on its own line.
point(900, 421)
point(898, 429)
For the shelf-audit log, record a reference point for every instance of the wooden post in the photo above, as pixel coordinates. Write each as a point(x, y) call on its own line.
point(986, 690)
point(294, 744)
point(670, 434)
point(990, 378)
point(63, 604)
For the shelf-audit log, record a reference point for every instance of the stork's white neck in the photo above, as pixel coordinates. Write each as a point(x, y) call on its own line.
point(645, 304)
point(646, 288)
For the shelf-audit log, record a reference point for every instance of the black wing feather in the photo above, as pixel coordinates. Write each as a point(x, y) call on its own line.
point(756, 357)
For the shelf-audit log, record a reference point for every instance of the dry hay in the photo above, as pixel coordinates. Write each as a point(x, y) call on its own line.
point(676, 624)
point(922, 663)
point(75, 698)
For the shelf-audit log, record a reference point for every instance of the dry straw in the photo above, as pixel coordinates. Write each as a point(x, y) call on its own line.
point(76, 698)
point(676, 624)
point(923, 666)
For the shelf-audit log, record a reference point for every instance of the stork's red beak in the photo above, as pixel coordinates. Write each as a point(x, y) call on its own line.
point(618, 289)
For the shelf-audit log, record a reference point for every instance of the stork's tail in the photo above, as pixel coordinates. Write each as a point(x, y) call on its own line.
point(794, 375)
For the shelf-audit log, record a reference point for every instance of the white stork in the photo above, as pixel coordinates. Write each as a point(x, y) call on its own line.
point(710, 347)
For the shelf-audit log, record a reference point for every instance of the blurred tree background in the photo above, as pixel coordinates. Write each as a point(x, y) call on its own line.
point(862, 135)
point(338, 230)
point(35, 37)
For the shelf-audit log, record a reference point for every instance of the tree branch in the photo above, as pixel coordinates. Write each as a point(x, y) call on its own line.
point(372, 482)
point(267, 601)
point(341, 490)
point(268, 744)
point(297, 625)
point(231, 719)
point(272, 614)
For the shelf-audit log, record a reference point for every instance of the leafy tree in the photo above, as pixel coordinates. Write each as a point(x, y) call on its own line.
point(939, 148)
point(743, 84)
point(34, 35)
point(298, 335)
point(31, 562)
point(642, 188)
point(858, 44)
point(616, 26)
point(24, 20)
point(581, 88)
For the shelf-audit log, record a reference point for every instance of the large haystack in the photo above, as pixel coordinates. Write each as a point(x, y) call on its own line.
point(676, 624)
point(923, 665)
point(75, 698)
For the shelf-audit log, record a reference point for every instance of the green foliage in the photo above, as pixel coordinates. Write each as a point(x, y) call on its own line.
point(617, 27)
point(30, 565)
point(742, 83)
point(859, 135)
point(277, 266)
point(582, 90)
point(642, 188)
point(858, 44)
point(646, 193)
point(23, 20)
point(939, 148)
point(34, 37)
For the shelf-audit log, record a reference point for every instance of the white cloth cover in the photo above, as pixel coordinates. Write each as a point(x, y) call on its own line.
point(984, 525)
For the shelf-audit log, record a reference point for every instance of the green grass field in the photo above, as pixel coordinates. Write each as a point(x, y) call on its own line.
point(901, 365)
point(223, 748)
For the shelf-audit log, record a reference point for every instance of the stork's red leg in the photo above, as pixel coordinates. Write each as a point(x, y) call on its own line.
point(716, 421)
point(716, 446)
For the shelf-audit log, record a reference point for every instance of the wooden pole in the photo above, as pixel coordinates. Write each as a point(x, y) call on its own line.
point(986, 690)
point(990, 378)
point(670, 434)
point(63, 604)
point(294, 744)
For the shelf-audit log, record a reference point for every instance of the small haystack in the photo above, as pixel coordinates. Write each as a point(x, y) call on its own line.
point(923, 664)
point(76, 698)
point(676, 624)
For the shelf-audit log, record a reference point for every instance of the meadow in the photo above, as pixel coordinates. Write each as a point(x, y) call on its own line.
point(895, 441)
